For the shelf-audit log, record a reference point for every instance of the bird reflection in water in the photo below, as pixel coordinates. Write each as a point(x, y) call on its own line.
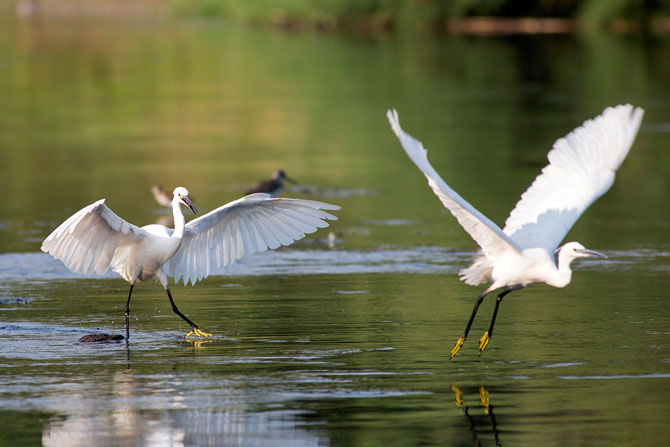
point(125, 409)
point(485, 402)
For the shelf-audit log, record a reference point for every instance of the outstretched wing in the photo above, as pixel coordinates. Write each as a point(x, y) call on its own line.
point(487, 234)
point(92, 240)
point(581, 168)
point(251, 224)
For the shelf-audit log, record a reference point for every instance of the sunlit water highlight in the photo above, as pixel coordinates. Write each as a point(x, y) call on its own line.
point(425, 260)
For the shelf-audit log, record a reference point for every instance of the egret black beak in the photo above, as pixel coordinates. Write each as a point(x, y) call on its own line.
point(591, 253)
point(188, 203)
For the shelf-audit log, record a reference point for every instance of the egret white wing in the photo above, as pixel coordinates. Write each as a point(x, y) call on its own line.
point(94, 239)
point(487, 234)
point(251, 224)
point(581, 168)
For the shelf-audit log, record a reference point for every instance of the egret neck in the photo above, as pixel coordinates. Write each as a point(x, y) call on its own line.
point(564, 273)
point(179, 221)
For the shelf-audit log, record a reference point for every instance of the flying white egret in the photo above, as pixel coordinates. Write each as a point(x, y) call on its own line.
point(96, 240)
point(581, 168)
point(272, 186)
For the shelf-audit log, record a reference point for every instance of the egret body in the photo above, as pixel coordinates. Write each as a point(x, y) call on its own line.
point(95, 240)
point(581, 168)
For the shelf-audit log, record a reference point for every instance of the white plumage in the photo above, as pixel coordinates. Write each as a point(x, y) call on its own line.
point(95, 240)
point(581, 168)
point(249, 225)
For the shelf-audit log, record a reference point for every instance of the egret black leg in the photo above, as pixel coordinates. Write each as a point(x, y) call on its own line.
point(127, 313)
point(461, 340)
point(196, 330)
point(484, 341)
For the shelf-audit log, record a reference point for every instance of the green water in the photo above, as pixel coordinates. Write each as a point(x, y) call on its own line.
point(354, 353)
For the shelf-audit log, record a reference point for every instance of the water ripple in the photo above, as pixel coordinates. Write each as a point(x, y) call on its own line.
point(619, 377)
point(40, 266)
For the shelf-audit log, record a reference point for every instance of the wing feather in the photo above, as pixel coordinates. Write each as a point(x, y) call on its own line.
point(581, 168)
point(92, 240)
point(242, 243)
point(257, 243)
point(244, 237)
point(291, 227)
point(270, 240)
point(260, 242)
point(249, 225)
point(277, 228)
point(487, 234)
point(304, 219)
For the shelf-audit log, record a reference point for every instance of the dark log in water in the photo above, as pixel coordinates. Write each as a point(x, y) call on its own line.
point(100, 338)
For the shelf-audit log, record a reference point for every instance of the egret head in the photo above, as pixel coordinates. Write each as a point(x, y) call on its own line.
point(574, 250)
point(181, 194)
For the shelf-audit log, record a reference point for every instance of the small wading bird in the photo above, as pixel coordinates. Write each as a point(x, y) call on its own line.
point(163, 197)
point(95, 240)
point(581, 168)
point(273, 186)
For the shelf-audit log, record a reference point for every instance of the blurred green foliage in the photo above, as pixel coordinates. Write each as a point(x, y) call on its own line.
point(395, 11)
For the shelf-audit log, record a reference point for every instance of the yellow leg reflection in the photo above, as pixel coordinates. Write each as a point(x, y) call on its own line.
point(200, 342)
point(458, 395)
point(476, 426)
point(484, 398)
point(198, 332)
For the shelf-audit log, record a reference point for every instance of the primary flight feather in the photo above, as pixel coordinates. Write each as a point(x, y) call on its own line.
point(581, 168)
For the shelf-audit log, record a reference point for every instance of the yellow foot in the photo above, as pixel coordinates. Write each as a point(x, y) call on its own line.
point(198, 332)
point(457, 348)
point(483, 342)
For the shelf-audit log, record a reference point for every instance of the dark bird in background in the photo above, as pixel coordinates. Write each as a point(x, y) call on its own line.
point(273, 186)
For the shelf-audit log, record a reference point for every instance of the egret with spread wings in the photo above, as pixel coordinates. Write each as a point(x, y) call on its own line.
point(581, 168)
point(95, 240)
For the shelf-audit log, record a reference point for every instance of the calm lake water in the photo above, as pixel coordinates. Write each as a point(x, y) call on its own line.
point(342, 344)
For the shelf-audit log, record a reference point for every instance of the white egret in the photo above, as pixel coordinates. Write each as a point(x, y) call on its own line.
point(273, 186)
point(95, 240)
point(581, 168)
